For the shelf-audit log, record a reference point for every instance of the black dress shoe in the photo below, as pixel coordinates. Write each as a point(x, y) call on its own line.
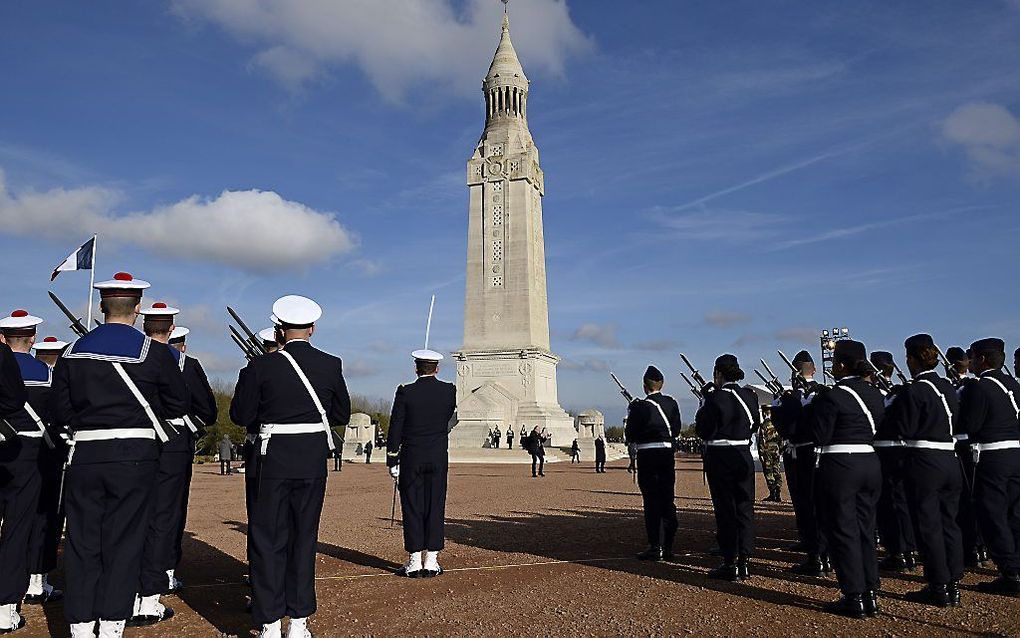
point(826, 563)
point(11, 630)
point(953, 589)
point(850, 605)
point(51, 596)
point(973, 559)
point(743, 569)
point(145, 621)
point(810, 567)
point(893, 563)
point(726, 571)
point(406, 574)
point(1003, 585)
point(933, 594)
point(983, 554)
point(910, 561)
point(653, 553)
point(870, 602)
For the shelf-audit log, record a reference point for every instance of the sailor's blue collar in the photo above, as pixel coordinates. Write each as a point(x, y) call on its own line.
point(33, 371)
point(111, 342)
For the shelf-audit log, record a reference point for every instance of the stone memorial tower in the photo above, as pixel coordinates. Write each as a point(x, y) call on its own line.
point(506, 372)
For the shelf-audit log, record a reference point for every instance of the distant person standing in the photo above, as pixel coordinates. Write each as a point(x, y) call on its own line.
point(535, 444)
point(509, 438)
point(575, 453)
point(368, 453)
point(417, 458)
point(338, 449)
point(226, 455)
point(632, 453)
point(600, 456)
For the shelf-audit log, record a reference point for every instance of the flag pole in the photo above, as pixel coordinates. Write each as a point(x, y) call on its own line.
point(92, 279)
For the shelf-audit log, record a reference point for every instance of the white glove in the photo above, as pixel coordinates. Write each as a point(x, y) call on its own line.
point(395, 471)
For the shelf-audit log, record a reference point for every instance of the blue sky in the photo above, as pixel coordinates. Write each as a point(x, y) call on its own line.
point(721, 176)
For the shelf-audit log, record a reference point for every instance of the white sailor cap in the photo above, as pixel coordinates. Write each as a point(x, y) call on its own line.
point(122, 285)
point(19, 324)
point(159, 310)
point(178, 334)
point(427, 355)
point(49, 344)
point(268, 335)
point(295, 310)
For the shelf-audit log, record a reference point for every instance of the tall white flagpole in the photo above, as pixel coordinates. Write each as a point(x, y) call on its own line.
point(428, 324)
point(92, 279)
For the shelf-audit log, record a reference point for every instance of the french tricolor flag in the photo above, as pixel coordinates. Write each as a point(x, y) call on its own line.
point(80, 259)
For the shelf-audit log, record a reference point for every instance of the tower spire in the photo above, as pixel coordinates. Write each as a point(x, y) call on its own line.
point(505, 86)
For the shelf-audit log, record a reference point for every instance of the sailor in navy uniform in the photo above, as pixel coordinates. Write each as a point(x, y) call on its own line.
point(204, 412)
point(114, 389)
point(20, 477)
point(989, 409)
point(974, 552)
point(288, 401)
point(653, 423)
point(849, 477)
point(727, 418)
point(268, 338)
point(417, 457)
point(894, 523)
point(49, 519)
point(922, 416)
point(793, 415)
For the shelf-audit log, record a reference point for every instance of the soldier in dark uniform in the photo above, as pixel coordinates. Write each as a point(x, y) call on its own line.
point(793, 415)
point(849, 477)
point(338, 451)
point(268, 338)
point(49, 522)
point(114, 388)
point(728, 417)
point(509, 438)
point(534, 443)
point(600, 455)
point(922, 416)
point(20, 476)
point(288, 401)
point(163, 551)
point(974, 552)
point(652, 424)
point(894, 524)
point(417, 457)
point(989, 412)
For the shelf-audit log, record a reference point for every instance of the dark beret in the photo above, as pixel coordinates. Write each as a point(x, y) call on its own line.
point(849, 351)
point(803, 357)
point(956, 354)
point(881, 358)
point(990, 344)
point(727, 361)
point(919, 341)
point(653, 374)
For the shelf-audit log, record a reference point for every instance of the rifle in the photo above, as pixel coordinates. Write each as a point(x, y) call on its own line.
point(880, 381)
point(797, 374)
point(694, 389)
point(770, 384)
point(1005, 368)
point(242, 343)
point(899, 373)
point(244, 349)
point(255, 341)
point(77, 327)
point(775, 377)
point(626, 394)
point(950, 369)
point(694, 371)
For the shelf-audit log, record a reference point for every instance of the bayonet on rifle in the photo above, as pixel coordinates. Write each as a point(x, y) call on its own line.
point(255, 341)
point(694, 372)
point(77, 327)
point(626, 393)
point(694, 389)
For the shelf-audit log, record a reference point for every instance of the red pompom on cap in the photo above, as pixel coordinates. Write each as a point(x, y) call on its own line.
point(123, 276)
point(50, 340)
point(159, 304)
point(19, 313)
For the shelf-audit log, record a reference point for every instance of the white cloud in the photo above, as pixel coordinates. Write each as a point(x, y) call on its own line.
point(601, 335)
point(397, 45)
point(726, 319)
point(253, 230)
point(990, 137)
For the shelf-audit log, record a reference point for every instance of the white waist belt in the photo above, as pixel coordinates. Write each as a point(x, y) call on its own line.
point(949, 446)
point(30, 434)
point(997, 445)
point(887, 443)
point(960, 437)
point(727, 442)
point(268, 430)
point(113, 434)
point(849, 448)
point(654, 446)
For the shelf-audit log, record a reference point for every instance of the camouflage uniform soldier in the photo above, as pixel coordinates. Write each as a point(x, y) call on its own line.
point(769, 449)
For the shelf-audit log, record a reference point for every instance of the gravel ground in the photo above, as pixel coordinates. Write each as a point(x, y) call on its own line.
point(530, 556)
